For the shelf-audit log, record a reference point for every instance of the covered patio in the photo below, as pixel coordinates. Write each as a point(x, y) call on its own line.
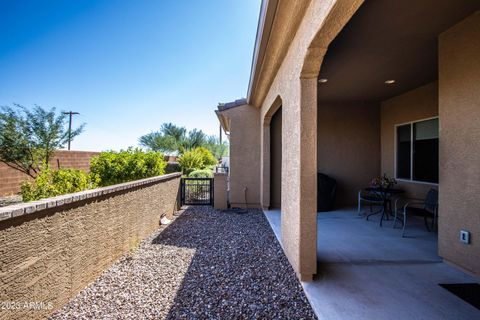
point(370, 272)
point(387, 100)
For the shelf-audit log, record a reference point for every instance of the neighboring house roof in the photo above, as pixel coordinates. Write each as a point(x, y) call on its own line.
point(224, 121)
point(233, 104)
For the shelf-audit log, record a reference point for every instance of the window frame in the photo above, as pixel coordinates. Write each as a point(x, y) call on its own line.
point(411, 150)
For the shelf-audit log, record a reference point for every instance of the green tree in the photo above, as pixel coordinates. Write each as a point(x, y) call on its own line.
point(195, 139)
point(171, 130)
point(172, 139)
point(216, 148)
point(28, 138)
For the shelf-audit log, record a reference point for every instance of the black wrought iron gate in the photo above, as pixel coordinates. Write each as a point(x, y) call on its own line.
point(197, 191)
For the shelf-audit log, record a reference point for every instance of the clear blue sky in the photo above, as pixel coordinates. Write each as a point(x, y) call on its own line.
point(127, 66)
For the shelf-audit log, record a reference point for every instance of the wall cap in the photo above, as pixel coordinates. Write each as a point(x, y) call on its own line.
point(21, 209)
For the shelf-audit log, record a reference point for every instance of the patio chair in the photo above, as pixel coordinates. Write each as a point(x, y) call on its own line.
point(427, 207)
point(370, 198)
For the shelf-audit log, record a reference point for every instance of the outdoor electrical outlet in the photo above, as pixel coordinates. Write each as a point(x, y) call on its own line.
point(464, 236)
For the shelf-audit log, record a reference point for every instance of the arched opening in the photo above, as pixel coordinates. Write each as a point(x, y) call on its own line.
point(276, 160)
point(266, 153)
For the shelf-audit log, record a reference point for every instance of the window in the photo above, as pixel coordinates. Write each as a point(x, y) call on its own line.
point(417, 151)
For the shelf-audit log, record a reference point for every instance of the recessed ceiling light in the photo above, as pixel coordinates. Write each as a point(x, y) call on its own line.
point(390, 81)
point(322, 80)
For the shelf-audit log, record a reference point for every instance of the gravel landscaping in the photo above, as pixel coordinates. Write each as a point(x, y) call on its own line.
point(207, 264)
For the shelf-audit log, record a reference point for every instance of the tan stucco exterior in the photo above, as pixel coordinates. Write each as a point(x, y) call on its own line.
point(295, 83)
point(244, 127)
point(349, 146)
point(353, 141)
point(220, 191)
point(459, 109)
point(420, 103)
point(299, 38)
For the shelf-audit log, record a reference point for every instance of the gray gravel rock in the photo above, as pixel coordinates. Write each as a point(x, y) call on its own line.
point(206, 264)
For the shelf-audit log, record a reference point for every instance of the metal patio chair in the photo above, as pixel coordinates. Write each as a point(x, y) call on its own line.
point(369, 198)
point(427, 207)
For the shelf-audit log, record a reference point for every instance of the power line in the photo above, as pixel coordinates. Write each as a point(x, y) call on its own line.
point(70, 113)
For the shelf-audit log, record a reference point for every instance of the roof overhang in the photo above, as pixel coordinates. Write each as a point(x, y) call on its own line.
point(224, 122)
point(264, 27)
point(277, 25)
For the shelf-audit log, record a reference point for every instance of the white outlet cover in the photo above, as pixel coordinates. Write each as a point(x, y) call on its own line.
point(464, 236)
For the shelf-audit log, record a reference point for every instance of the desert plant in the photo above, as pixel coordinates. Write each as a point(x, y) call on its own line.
point(28, 138)
point(173, 139)
point(190, 161)
point(208, 158)
point(206, 173)
point(116, 167)
point(50, 183)
point(197, 159)
point(217, 148)
point(169, 139)
point(173, 167)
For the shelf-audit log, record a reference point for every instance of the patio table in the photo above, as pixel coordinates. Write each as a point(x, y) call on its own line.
point(385, 194)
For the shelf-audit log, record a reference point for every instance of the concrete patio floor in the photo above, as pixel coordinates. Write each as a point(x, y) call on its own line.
point(370, 272)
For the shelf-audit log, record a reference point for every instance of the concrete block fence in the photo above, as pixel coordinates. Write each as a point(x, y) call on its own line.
point(11, 179)
point(52, 248)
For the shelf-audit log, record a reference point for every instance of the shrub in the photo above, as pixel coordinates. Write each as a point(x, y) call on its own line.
point(173, 167)
point(201, 174)
point(190, 161)
point(196, 159)
point(49, 183)
point(207, 157)
point(116, 167)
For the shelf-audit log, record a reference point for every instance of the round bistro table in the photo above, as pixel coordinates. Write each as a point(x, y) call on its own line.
point(386, 195)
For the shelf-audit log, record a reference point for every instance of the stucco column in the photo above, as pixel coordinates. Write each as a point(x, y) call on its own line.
point(265, 164)
point(220, 185)
point(299, 181)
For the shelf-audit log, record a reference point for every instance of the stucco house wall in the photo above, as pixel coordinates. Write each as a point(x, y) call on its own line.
point(244, 156)
point(417, 104)
point(295, 83)
point(459, 109)
point(349, 146)
point(296, 44)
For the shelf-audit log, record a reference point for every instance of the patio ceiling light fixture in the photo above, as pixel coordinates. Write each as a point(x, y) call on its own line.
point(391, 81)
point(323, 80)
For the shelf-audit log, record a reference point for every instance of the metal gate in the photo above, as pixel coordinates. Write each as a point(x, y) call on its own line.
point(197, 191)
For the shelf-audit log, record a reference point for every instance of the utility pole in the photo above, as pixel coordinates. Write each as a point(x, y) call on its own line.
point(220, 134)
point(70, 113)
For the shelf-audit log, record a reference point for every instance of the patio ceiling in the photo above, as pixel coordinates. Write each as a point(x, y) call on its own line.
point(388, 40)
